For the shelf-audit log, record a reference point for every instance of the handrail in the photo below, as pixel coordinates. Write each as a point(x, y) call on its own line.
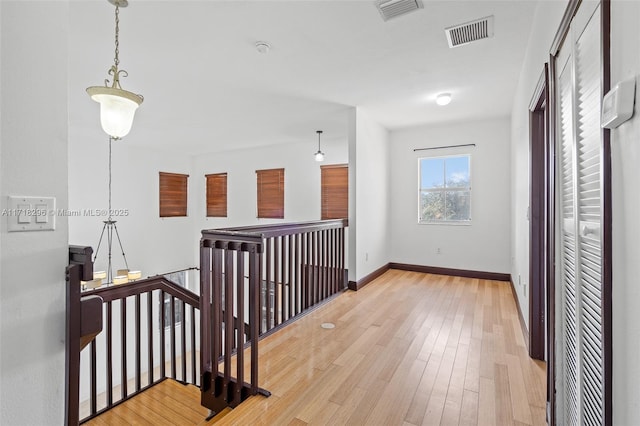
point(164, 274)
point(145, 285)
point(275, 230)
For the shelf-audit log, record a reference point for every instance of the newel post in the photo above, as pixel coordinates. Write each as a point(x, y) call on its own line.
point(72, 345)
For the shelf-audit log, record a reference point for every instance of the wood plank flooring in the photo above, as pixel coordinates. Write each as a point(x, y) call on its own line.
point(407, 349)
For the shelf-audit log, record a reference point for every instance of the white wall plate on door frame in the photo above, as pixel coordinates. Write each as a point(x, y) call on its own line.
point(617, 105)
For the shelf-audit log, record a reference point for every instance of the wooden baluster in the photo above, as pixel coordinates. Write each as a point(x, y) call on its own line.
point(254, 314)
point(194, 377)
point(268, 288)
point(309, 271)
point(216, 312)
point(123, 346)
point(320, 282)
point(205, 313)
point(228, 320)
point(240, 328)
point(284, 279)
point(332, 262)
point(138, 338)
point(72, 345)
point(314, 271)
point(150, 337)
point(291, 279)
point(109, 338)
point(325, 262)
point(172, 333)
point(297, 238)
point(183, 335)
point(163, 325)
point(93, 377)
point(341, 259)
point(277, 304)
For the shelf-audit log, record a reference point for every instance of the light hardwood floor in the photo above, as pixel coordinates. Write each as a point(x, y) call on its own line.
point(407, 349)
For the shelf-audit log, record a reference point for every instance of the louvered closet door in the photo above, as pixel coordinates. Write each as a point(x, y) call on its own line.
point(568, 244)
point(580, 205)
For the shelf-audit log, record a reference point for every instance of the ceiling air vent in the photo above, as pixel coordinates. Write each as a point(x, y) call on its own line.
point(394, 8)
point(469, 32)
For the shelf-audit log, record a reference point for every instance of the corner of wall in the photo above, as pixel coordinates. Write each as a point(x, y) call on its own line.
point(369, 159)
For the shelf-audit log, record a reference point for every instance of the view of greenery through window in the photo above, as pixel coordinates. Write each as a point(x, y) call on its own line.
point(445, 189)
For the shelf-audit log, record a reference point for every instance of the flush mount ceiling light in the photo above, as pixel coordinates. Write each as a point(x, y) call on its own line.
point(443, 99)
point(319, 156)
point(117, 106)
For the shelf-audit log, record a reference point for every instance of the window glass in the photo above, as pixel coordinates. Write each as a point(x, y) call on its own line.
point(445, 189)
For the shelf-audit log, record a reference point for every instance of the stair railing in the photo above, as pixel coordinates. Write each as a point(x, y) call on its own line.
point(123, 339)
point(269, 276)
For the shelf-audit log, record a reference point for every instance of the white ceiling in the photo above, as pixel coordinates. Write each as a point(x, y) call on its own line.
point(207, 89)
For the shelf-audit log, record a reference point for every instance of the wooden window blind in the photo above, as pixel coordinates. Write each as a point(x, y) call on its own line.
point(217, 195)
point(173, 194)
point(270, 185)
point(334, 191)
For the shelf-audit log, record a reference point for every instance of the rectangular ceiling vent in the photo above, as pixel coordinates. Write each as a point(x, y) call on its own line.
point(394, 8)
point(469, 32)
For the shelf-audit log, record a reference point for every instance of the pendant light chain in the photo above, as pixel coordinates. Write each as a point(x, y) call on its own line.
point(116, 59)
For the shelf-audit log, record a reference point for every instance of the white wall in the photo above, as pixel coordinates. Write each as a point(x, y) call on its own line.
point(368, 195)
point(34, 163)
point(301, 180)
point(152, 244)
point(481, 246)
point(625, 146)
point(546, 21)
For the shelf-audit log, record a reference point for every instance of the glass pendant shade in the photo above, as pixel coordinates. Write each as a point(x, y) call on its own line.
point(117, 109)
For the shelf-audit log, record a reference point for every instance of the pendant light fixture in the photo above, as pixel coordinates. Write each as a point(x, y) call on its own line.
point(117, 106)
point(319, 156)
point(109, 229)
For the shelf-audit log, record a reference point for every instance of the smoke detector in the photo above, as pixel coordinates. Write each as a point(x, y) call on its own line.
point(262, 47)
point(466, 33)
point(394, 8)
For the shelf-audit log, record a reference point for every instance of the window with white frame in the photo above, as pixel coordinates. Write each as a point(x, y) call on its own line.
point(444, 194)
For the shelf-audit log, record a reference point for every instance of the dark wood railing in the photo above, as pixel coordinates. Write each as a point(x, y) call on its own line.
point(268, 276)
point(253, 280)
point(134, 352)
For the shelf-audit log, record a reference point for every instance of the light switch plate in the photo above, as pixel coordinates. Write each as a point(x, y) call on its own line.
point(30, 214)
